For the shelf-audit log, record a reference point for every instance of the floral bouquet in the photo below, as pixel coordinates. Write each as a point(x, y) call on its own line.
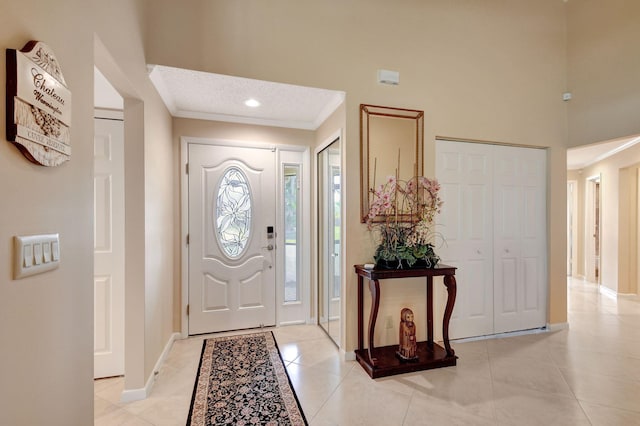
point(402, 215)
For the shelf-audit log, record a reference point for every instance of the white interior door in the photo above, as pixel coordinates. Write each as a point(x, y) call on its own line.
point(520, 235)
point(494, 223)
point(464, 171)
point(232, 267)
point(108, 248)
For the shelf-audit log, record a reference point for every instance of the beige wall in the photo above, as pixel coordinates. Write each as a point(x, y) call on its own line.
point(239, 132)
point(494, 71)
point(46, 320)
point(619, 240)
point(603, 69)
point(628, 230)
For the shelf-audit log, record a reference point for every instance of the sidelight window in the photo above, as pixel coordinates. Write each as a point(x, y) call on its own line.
point(291, 219)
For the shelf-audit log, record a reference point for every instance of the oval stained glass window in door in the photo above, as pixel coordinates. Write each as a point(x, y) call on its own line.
point(233, 212)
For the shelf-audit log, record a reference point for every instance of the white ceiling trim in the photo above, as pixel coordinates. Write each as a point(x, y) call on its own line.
point(610, 153)
point(585, 156)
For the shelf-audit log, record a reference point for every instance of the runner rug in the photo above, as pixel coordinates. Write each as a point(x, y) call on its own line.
point(242, 381)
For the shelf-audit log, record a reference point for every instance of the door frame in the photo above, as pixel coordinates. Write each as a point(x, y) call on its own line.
point(184, 220)
point(315, 288)
point(590, 258)
point(572, 228)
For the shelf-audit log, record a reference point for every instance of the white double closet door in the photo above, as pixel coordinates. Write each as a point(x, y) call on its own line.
point(494, 223)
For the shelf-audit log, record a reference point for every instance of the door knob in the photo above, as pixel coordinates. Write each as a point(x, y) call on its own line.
point(269, 247)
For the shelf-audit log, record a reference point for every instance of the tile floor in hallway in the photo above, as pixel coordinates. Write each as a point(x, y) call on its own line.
point(588, 374)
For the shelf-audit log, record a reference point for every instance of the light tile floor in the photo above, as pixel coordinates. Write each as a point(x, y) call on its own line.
point(588, 374)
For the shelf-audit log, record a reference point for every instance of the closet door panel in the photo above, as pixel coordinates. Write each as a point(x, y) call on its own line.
point(520, 208)
point(464, 172)
point(507, 214)
point(533, 308)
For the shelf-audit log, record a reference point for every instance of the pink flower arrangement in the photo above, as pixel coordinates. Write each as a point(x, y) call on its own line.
point(403, 215)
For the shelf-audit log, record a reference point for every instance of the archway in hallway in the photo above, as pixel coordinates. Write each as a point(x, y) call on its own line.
point(134, 245)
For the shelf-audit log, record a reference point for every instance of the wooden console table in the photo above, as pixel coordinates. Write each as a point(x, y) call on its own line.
point(381, 362)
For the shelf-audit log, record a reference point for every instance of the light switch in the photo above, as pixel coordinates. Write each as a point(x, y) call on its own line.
point(46, 252)
point(28, 256)
point(35, 254)
point(55, 251)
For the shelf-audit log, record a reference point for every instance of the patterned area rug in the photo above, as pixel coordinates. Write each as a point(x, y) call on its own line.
point(242, 381)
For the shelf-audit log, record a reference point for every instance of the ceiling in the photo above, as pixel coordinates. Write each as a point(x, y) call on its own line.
point(207, 96)
point(584, 156)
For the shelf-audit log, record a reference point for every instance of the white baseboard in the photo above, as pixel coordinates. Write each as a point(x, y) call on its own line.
point(539, 330)
point(608, 291)
point(129, 395)
point(133, 395)
point(627, 295)
point(557, 326)
point(348, 356)
point(286, 323)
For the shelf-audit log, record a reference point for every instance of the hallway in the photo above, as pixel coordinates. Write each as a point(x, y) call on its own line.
point(573, 376)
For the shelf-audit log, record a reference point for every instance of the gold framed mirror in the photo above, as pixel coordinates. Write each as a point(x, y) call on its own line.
point(391, 144)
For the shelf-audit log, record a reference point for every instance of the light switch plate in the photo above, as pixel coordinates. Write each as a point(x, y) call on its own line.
point(35, 254)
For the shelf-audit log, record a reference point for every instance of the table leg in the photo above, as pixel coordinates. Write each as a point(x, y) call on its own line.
point(450, 283)
point(430, 312)
point(360, 309)
point(374, 288)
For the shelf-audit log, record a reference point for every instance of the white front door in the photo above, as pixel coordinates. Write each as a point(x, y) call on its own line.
point(108, 248)
point(232, 265)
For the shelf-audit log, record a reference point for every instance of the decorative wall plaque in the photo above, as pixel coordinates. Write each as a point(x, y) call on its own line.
point(38, 105)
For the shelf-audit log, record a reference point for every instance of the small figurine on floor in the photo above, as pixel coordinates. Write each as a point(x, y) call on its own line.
point(408, 347)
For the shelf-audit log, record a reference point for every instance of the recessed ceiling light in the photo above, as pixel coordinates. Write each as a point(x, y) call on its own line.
point(252, 103)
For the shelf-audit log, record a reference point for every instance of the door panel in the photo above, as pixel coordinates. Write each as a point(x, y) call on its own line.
point(520, 289)
point(464, 172)
point(531, 284)
point(108, 248)
point(508, 295)
point(231, 257)
point(329, 199)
